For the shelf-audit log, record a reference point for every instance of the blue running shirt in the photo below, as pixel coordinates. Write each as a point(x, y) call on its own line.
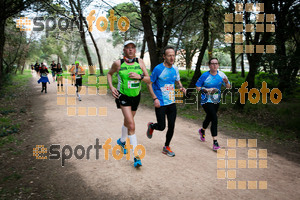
point(207, 80)
point(163, 79)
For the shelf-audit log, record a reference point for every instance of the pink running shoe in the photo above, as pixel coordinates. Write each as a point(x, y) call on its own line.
point(202, 134)
point(216, 147)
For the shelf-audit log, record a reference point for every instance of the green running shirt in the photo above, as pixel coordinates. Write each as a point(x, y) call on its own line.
point(126, 85)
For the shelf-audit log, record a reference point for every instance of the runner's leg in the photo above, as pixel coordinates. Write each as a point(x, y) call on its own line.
point(214, 122)
point(209, 112)
point(125, 129)
point(171, 112)
point(161, 118)
point(129, 123)
point(61, 80)
point(43, 87)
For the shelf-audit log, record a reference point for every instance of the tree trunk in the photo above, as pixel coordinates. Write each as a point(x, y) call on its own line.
point(81, 30)
point(2, 42)
point(18, 65)
point(242, 66)
point(22, 70)
point(254, 64)
point(168, 26)
point(205, 17)
point(265, 68)
point(295, 63)
point(159, 15)
point(211, 45)
point(233, 60)
point(281, 62)
point(164, 24)
point(97, 51)
point(146, 20)
point(83, 39)
point(180, 36)
point(254, 59)
point(232, 50)
point(143, 48)
point(98, 55)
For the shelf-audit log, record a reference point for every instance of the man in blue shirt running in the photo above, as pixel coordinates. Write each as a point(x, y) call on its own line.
point(162, 90)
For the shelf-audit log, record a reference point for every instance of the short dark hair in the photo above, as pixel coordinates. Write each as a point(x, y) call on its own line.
point(212, 59)
point(166, 48)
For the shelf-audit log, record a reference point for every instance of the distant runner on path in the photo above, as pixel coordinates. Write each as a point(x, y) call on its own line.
point(53, 70)
point(59, 77)
point(78, 72)
point(44, 78)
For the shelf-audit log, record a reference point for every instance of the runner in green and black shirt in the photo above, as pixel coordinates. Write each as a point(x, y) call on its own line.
point(131, 71)
point(59, 77)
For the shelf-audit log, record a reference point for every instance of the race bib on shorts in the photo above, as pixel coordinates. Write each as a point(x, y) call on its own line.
point(78, 76)
point(44, 75)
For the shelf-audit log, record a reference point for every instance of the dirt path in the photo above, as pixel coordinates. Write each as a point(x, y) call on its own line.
point(191, 174)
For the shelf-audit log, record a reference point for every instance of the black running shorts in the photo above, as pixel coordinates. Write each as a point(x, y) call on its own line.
point(125, 100)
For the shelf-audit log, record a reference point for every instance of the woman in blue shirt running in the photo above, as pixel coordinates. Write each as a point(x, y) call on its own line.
point(210, 84)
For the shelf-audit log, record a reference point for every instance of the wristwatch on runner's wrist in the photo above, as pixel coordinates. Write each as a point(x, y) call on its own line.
point(142, 76)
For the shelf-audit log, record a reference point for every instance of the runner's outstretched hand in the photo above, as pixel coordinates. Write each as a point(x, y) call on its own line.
point(156, 103)
point(225, 80)
point(115, 92)
point(183, 90)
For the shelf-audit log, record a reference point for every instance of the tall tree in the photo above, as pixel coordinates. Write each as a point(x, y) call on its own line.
point(133, 14)
point(8, 9)
point(96, 48)
point(232, 50)
point(205, 17)
point(242, 65)
point(162, 16)
point(256, 38)
point(287, 34)
point(189, 38)
point(76, 9)
point(70, 40)
point(216, 25)
point(14, 46)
